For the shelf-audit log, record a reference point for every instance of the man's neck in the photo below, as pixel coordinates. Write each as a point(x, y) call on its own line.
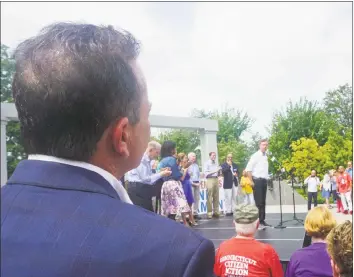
point(244, 237)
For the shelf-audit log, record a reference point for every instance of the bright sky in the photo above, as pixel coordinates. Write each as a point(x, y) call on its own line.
point(251, 56)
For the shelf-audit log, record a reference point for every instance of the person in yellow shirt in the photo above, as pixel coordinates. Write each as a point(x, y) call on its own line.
point(247, 189)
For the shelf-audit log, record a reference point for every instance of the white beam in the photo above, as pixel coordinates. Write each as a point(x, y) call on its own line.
point(9, 112)
point(162, 121)
point(208, 143)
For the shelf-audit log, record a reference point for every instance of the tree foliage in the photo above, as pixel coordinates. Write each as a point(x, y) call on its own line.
point(339, 104)
point(307, 155)
point(339, 149)
point(303, 119)
point(232, 122)
point(238, 149)
point(186, 141)
point(15, 151)
point(7, 71)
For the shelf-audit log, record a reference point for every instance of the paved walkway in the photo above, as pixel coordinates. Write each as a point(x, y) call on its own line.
point(273, 197)
point(302, 209)
point(273, 203)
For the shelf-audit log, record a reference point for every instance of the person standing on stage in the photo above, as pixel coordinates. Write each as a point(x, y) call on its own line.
point(230, 172)
point(257, 169)
point(141, 179)
point(194, 172)
point(211, 170)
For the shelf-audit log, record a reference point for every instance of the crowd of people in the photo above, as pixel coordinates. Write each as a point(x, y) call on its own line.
point(337, 183)
point(83, 107)
point(174, 183)
point(243, 255)
point(330, 253)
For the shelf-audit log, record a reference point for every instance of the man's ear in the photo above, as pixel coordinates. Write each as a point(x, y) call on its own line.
point(257, 224)
point(121, 136)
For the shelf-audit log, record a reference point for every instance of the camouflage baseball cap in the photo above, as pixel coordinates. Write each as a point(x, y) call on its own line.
point(245, 214)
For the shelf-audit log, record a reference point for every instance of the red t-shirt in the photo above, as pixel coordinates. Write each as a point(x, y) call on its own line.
point(238, 257)
point(343, 182)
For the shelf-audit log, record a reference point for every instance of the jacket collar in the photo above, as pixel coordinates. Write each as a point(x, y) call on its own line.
point(60, 176)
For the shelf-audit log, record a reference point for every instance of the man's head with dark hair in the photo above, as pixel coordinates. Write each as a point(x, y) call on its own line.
point(168, 149)
point(80, 95)
point(212, 156)
point(263, 145)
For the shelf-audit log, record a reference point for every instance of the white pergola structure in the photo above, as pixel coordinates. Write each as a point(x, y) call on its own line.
point(207, 129)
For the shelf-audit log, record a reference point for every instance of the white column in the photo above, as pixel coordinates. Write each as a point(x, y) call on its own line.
point(208, 143)
point(3, 152)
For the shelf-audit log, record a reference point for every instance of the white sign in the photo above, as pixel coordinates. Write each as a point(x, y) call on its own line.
point(202, 209)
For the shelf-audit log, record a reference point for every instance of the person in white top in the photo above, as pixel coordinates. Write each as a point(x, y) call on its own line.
point(257, 169)
point(326, 188)
point(312, 183)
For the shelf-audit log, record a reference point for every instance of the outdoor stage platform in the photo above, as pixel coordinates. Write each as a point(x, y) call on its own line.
point(285, 241)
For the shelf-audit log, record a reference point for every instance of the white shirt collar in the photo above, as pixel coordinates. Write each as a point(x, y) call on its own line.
point(115, 183)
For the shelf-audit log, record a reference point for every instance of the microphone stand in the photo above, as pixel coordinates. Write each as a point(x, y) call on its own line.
point(292, 187)
point(280, 225)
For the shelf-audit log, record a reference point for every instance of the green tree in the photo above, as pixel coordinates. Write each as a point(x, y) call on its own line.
point(238, 149)
point(15, 151)
point(7, 71)
point(232, 122)
point(339, 149)
point(339, 104)
point(301, 119)
point(306, 155)
point(253, 145)
point(186, 141)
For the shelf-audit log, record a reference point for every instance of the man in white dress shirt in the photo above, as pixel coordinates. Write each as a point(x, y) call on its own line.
point(257, 169)
point(141, 179)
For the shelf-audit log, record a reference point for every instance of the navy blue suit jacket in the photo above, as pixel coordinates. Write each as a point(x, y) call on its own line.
point(61, 220)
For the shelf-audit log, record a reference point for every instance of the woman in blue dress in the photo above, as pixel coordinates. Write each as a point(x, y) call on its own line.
point(186, 183)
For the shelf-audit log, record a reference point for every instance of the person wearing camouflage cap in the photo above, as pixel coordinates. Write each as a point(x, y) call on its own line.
point(245, 214)
point(242, 255)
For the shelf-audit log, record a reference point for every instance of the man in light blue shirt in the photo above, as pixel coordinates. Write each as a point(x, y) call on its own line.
point(194, 172)
point(141, 179)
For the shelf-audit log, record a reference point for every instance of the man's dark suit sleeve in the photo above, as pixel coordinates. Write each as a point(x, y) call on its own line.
point(202, 261)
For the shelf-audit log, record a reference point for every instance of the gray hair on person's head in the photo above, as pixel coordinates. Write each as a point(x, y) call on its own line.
point(190, 155)
point(153, 145)
point(248, 229)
